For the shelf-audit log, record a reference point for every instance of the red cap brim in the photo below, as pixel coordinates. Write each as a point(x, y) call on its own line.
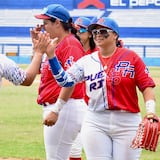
point(42, 16)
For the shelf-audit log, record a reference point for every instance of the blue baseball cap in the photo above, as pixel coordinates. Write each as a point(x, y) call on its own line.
point(56, 11)
point(82, 22)
point(107, 23)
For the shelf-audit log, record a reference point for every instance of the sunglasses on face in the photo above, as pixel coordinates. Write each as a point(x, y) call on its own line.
point(102, 31)
point(82, 30)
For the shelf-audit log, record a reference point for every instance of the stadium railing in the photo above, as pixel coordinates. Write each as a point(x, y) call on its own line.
point(21, 53)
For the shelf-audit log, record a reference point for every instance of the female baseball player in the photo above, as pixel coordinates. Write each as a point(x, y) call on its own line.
point(85, 34)
point(58, 139)
point(112, 76)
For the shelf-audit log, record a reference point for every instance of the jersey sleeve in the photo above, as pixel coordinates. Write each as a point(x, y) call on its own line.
point(66, 78)
point(143, 78)
point(70, 54)
point(11, 71)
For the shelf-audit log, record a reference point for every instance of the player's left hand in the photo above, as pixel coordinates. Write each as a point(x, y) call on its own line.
point(148, 133)
point(51, 119)
point(51, 47)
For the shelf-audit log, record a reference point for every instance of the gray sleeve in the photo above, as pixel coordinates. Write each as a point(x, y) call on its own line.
point(11, 71)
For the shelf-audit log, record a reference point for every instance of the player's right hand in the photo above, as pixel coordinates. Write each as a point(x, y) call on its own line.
point(35, 31)
point(40, 45)
point(51, 119)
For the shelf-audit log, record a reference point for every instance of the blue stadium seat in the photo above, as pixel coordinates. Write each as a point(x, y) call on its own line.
point(137, 26)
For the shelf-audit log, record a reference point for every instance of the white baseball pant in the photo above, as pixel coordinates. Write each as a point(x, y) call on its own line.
point(108, 135)
point(59, 138)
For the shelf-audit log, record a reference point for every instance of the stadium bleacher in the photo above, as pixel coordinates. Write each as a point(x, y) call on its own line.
point(138, 27)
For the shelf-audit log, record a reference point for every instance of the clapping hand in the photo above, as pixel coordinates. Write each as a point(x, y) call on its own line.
point(35, 31)
point(44, 44)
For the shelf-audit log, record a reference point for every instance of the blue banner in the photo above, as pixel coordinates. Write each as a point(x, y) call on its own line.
point(82, 4)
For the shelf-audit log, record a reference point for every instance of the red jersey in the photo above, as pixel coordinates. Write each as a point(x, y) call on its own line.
point(91, 51)
point(125, 71)
point(68, 51)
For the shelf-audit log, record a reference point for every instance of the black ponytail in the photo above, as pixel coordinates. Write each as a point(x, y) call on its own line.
point(69, 26)
point(92, 43)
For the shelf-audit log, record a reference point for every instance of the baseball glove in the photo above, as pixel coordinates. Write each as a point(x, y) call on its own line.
point(148, 133)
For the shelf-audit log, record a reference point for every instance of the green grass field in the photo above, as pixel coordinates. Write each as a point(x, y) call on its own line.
point(21, 129)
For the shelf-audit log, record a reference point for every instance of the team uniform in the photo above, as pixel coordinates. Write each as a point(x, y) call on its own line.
point(11, 71)
point(89, 51)
point(86, 38)
point(105, 122)
point(59, 138)
point(77, 145)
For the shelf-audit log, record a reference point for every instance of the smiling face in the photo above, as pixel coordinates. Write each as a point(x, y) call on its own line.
point(104, 37)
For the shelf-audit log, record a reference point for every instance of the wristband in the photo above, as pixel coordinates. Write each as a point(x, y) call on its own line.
point(55, 65)
point(150, 106)
point(58, 105)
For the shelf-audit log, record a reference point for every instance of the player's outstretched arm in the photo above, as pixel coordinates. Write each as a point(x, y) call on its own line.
point(61, 76)
point(11, 71)
point(16, 75)
point(32, 70)
point(40, 43)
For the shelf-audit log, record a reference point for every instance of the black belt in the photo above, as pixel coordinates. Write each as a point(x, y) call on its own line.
point(45, 104)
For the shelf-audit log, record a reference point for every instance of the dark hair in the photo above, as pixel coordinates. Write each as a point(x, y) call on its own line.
point(91, 40)
point(52, 20)
point(92, 43)
point(68, 27)
point(119, 43)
